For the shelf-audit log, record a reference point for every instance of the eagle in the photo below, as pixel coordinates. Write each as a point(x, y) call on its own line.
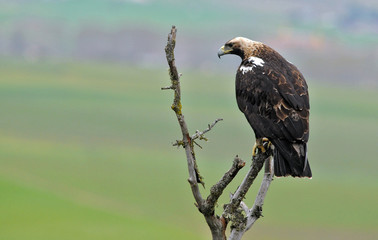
point(273, 95)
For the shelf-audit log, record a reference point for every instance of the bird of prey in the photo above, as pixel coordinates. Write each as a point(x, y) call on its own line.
point(273, 95)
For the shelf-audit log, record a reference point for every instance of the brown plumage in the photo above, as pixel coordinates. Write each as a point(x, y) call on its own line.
point(273, 95)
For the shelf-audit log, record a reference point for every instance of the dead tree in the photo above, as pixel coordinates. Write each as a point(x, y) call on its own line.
point(236, 213)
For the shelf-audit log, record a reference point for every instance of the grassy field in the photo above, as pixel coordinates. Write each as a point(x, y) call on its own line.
point(85, 153)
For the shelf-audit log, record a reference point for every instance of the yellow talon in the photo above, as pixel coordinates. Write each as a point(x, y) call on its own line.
point(254, 150)
point(269, 143)
point(259, 144)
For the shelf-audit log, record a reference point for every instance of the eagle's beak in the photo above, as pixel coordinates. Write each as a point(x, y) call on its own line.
point(222, 51)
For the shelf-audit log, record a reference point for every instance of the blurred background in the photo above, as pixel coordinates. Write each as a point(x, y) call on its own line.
point(86, 133)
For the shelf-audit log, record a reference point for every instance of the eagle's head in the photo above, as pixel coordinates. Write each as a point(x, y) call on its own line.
point(241, 46)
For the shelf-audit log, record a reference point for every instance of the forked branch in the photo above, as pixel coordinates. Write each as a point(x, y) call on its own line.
point(217, 224)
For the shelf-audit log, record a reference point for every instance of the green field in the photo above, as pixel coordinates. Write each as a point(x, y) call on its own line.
point(85, 153)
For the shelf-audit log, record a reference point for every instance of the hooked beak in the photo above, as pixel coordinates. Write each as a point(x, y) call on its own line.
point(223, 50)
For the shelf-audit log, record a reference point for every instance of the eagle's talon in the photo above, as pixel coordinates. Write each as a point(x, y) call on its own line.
point(254, 150)
point(262, 149)
point(266, 143)
point(261, 143)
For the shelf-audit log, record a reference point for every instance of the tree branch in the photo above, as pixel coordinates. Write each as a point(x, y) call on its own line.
point(176, 107)
point(198, 134)
point(217, 190)
point(233, 210)
point(217, 227)
point(257, 164)
point(256, 211)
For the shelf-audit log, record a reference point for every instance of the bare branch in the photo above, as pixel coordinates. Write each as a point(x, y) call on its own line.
point(200, 135)
point(217, 225)
point(256, 211)
point(176, 107)
point(166, 88)
point(257, 164)
point(244, 207)
point(217, 190)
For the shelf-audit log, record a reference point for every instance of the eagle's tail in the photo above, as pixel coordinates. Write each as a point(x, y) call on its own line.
point(290, 159)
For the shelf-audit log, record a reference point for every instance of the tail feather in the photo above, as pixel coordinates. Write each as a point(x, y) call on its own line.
point(290, 159)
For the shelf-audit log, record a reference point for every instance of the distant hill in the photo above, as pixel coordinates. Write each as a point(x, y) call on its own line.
point(323, 38)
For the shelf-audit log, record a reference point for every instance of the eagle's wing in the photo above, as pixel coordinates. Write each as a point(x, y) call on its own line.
point(291, 85)
point(275, 102)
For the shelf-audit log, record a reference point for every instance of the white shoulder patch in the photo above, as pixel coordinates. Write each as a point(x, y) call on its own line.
point(257, 61)
point(244, 69)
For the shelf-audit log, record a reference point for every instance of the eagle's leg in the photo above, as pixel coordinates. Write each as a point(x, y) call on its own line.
point(259, 144)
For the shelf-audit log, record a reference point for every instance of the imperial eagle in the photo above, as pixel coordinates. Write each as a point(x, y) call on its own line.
point(273, 95)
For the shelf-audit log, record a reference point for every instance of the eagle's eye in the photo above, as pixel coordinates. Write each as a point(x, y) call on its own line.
point(229, 45)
